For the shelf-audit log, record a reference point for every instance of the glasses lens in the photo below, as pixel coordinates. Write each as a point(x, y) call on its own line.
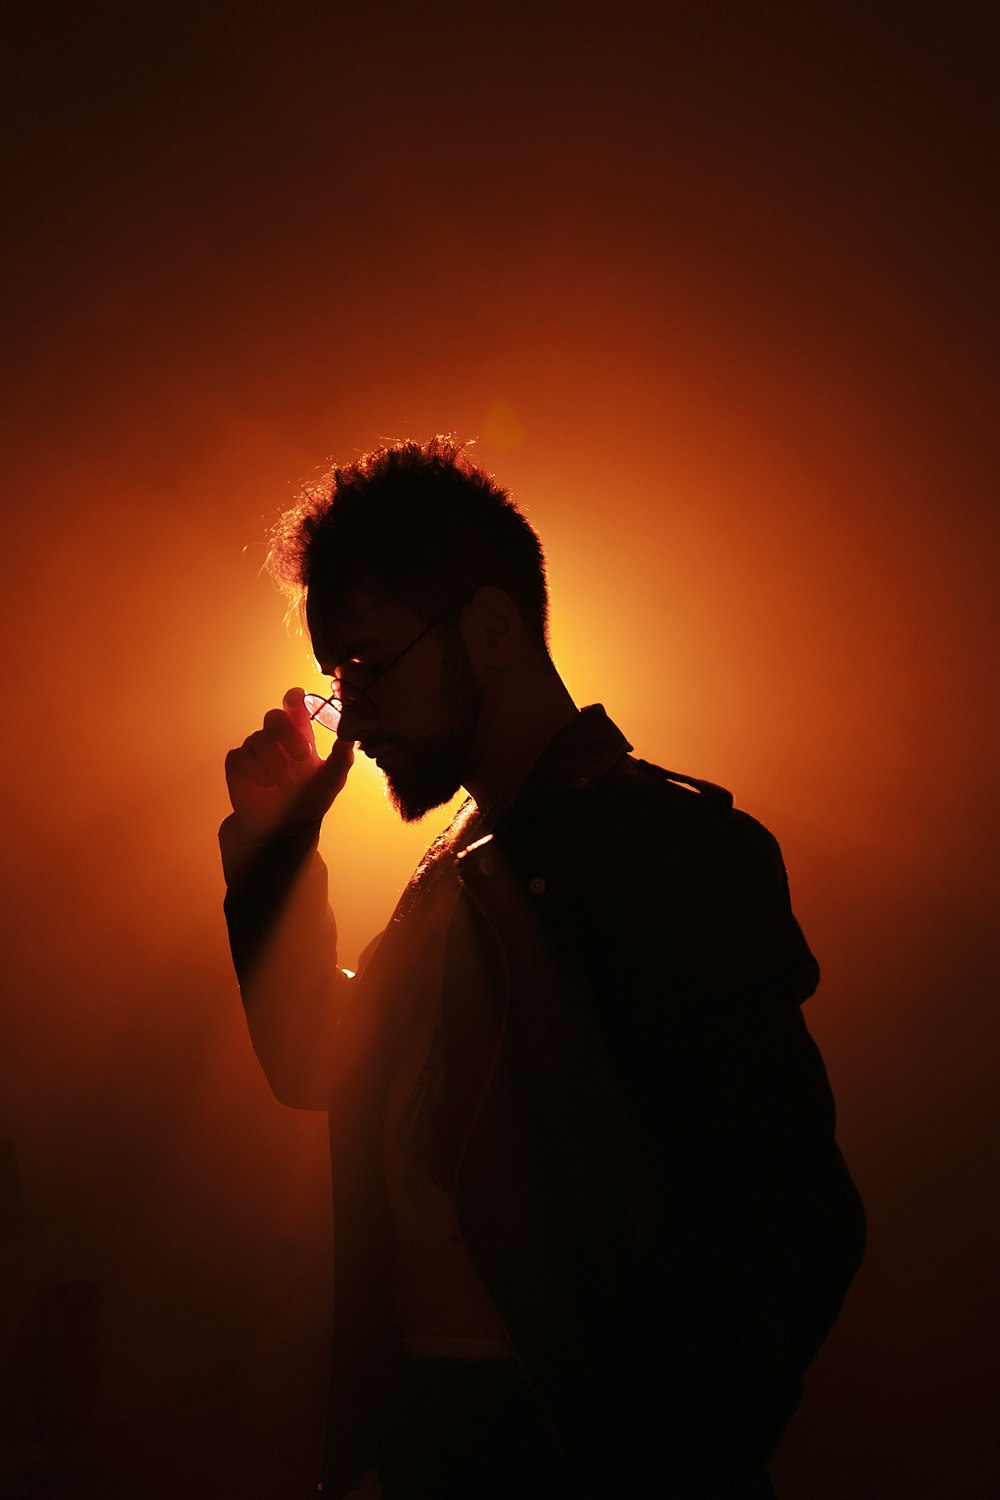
point(322, 711)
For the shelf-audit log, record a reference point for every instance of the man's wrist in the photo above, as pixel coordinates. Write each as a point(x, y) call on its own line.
point(241, 847)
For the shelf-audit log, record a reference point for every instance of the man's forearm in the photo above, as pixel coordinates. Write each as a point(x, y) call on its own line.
point(283, 940)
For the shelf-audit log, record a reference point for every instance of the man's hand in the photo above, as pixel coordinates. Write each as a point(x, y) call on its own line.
point(277, 778)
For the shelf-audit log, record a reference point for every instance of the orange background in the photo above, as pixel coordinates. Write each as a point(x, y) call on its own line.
point(713, 287)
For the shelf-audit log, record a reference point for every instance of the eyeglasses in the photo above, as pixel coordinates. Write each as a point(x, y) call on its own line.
point(346, 696)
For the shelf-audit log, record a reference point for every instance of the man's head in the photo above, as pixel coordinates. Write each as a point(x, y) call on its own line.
point(414, 553)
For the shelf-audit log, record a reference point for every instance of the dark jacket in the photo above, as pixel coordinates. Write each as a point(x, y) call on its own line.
point(637, 1125)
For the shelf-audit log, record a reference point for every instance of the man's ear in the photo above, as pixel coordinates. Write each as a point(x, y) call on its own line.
point(491, 628)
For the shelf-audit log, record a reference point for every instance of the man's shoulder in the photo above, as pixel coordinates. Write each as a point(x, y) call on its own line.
point(647, 799)
point(642, 820)
point(641, 785)
point(591, 796)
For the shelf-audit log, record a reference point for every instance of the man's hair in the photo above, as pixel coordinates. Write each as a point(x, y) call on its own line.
point(416, 523)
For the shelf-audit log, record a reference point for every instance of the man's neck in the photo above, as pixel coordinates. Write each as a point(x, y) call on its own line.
point(517, 723)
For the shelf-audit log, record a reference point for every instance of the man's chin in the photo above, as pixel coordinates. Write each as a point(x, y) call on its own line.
point(413, 802)
point(425, 775)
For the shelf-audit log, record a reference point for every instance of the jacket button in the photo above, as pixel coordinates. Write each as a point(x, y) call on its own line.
point(536, 884)
point(580, 782)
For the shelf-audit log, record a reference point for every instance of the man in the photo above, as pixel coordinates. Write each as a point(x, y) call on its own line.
point(591, 1224)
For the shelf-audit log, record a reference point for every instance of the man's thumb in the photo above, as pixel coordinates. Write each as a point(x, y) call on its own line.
point(334, 769)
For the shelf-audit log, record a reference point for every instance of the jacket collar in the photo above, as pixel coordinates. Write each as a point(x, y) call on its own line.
point(578, 758)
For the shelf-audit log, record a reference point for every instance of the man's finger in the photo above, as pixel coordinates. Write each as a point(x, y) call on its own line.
point(242, 766)
point(337, 765)
point(289, 735)
point(265, 748)
point(294, 705)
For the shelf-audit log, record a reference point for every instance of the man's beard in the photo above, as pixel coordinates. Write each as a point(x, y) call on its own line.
point(432, 771)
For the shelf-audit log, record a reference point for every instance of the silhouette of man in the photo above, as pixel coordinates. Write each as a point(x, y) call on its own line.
point(591, 1223)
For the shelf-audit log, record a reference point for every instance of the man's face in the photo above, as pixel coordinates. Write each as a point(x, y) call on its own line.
point(428, 701)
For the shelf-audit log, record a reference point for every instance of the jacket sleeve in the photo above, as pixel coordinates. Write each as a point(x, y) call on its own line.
point(283, 940)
